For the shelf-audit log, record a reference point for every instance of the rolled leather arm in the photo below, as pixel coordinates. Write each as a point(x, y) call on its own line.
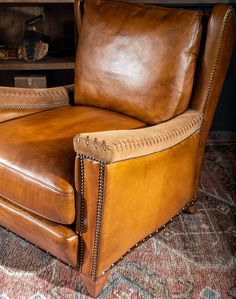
point(114, 146)
point(27, 98)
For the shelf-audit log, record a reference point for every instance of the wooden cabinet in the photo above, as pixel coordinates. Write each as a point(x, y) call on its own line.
point(58, 25)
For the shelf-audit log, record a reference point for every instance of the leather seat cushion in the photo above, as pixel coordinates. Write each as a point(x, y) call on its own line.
point(37, 157)
point(137, 59)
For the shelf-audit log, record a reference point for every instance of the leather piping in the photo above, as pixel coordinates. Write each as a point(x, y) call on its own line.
point(65, 193)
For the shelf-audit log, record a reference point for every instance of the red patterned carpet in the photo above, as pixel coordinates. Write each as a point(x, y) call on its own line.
point(194, 257)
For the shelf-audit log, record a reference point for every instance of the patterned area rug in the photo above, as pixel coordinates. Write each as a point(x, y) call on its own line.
point(194, 257)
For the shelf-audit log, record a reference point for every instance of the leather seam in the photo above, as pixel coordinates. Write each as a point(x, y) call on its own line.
point(46, 93)
point(182, 141)
point(219, 48)
point(11, 169)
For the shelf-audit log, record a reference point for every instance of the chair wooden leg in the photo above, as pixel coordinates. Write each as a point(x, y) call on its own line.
point(94, 287)
point(192, 209)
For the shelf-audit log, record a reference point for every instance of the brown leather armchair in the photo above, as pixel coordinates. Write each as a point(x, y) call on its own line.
point(144, 101)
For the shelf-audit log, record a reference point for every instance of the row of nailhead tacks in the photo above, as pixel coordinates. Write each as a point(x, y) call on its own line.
point(98, 220)
point(147, 238)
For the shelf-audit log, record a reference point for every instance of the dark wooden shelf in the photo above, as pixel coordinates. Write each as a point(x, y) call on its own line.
point(47, 63)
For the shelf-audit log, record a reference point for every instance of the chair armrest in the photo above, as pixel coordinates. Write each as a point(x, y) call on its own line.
point(27, 98)
point(114, 146)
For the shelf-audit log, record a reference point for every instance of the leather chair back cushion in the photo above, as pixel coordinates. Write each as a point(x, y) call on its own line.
point(137, 59)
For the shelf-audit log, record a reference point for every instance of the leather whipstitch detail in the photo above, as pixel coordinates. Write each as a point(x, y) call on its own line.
point(8, 92)
point(146, 141)
point(96, 247)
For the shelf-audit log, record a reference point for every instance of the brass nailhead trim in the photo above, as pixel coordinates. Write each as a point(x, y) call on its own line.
point(98, 219)
point(130, 144)
point(81, 212)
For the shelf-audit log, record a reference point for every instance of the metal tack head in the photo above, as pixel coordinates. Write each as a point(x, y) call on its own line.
point(87, 140)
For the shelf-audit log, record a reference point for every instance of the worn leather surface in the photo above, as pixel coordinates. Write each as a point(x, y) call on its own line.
point(110, 146)
point(136, 205)
point(8, 114)
point(212, 69)
point(137, 59)
point(37, 157)
point(59, 240)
